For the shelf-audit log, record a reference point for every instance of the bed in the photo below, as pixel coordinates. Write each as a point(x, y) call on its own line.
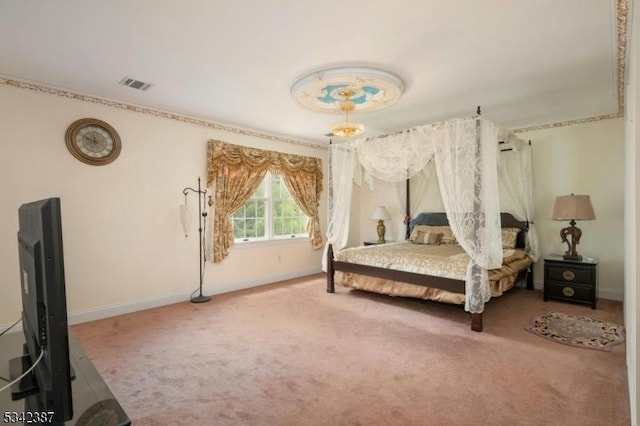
point(418, 270)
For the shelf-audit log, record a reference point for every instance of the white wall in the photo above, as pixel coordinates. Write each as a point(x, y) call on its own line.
point(583, 159)
point(632, 215)
point(123, 242)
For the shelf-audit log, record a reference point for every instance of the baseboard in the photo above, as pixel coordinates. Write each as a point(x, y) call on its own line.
point(139, 305)
point(605, 293)
point(226, 288)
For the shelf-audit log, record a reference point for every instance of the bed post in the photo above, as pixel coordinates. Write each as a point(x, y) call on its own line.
point(476, 322)
point(407, 210)
point(476, 318)
point(330, 285)
point(530, 277)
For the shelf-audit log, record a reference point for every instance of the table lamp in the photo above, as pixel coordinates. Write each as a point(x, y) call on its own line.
point(380, 213)
point(572, 207)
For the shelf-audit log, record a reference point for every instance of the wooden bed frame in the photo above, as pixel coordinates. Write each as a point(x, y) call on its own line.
point(456, 286)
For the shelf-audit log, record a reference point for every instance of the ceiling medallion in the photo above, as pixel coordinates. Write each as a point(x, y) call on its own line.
point(371, 89)
point(347, 90)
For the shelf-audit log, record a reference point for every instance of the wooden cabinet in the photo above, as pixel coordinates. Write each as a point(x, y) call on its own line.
point(571, 280)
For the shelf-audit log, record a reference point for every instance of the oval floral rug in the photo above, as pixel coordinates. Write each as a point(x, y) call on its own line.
point(577, 330)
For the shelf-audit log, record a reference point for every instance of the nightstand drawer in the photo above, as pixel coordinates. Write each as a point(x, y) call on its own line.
point(578, 293)
point(570, 274)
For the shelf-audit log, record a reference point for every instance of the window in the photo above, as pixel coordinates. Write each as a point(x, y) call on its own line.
point(270, 213)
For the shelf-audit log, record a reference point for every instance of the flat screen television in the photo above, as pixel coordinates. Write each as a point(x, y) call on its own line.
point(47, 388)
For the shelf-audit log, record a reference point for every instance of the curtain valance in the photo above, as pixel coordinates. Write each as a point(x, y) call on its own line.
point(221, 154)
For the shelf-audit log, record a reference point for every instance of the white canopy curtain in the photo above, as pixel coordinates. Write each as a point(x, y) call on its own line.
point(342, 173)
point(466, 154)
point(515, 180)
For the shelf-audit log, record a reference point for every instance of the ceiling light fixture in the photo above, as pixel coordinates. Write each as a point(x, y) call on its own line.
point(347, 129)
point(347, 89)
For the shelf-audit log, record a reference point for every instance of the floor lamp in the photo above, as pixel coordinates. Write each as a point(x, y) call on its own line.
point(202, 193)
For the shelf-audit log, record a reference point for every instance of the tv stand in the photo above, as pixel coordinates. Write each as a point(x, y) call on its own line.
point(93, 401)
point(28, 385)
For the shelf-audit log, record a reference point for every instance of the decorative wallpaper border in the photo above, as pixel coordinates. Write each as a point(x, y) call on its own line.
point(622, 12)
point(4, 81)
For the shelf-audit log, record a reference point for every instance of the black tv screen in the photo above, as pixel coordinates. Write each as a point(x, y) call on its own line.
point(44, 312)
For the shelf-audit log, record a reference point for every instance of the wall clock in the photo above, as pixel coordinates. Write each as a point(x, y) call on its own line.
point(93, 141)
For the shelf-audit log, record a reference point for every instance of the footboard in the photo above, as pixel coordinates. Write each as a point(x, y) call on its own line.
point(448, 284)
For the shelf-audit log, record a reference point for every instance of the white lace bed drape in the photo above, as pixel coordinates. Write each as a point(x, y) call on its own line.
point(515, 181)
point(466, 154)
point(342, 173)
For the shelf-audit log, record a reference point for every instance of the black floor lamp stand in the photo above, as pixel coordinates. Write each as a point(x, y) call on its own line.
point(201, 217)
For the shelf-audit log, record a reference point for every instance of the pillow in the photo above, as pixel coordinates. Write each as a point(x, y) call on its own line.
point(447, 234)
point(430, 238)
point(509, 237)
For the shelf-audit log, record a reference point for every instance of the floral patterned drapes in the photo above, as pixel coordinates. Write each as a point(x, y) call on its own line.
point(238, 171)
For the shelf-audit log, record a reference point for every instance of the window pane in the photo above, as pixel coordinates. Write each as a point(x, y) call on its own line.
point(260, 227)
point(275, 193)
point(250, 228)
point(251, 221)
point(277, 226)
point(251, 208)
point(260, 192)
point(261, 208)
point(286, 228)
point(240, 213)
point(238, 228)
point(290, 220)
point(277, 208)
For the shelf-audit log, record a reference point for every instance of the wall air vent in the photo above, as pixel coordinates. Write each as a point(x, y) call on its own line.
point(135, 84)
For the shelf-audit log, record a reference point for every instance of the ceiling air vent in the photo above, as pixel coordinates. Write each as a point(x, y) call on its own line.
point(135, 84)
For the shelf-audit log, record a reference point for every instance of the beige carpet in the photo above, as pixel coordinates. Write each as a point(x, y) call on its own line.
point(291, 354)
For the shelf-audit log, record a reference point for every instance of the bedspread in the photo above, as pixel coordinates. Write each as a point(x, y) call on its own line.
point(449, 261)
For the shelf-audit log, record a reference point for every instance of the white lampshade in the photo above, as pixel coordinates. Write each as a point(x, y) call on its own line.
point(573, 207)
point(380, 213)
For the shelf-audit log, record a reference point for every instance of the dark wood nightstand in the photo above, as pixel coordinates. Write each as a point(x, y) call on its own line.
point(571, 280)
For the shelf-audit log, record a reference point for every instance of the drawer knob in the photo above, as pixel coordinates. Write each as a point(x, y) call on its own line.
point(568, 291)
point(569, 275)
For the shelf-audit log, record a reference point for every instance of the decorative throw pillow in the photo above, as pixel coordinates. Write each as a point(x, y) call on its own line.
point(447, 234)
point(430, 238)
point(509, 237)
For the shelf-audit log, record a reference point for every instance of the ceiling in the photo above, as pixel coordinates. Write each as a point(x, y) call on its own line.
point(526, 62)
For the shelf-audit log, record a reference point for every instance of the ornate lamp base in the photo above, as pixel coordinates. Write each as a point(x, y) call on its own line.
point(381, 230)
point(575, 233)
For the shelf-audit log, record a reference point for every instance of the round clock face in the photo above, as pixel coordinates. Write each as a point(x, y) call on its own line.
point(93, 141)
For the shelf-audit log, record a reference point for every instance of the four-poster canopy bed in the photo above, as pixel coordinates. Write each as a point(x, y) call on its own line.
point(398, 282)
point(466, 156)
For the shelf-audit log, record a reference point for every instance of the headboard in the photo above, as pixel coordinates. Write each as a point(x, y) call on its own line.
point(440, 219)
